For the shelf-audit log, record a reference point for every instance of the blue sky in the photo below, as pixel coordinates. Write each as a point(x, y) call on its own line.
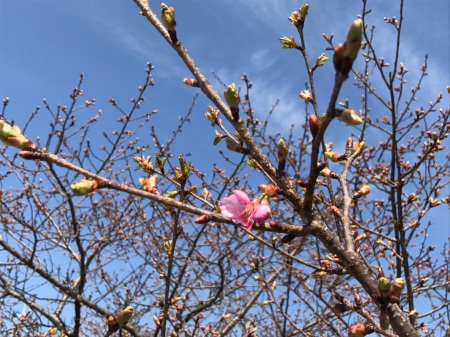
point(46, 44)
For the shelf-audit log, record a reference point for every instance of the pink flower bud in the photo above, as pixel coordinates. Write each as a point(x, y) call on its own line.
point(357, 330)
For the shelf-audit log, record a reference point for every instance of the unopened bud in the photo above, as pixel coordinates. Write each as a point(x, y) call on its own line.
point(384, 285)
point(304, 11)
point(233, 146)
point(306, 96)
point(149, 184)
point(212, 115)
point(269, 190)
point(282, 152)
point(314, 125)
point(327, 173)
point(397, 286)
point(85, 186)
point(334, 157)
point(336, 211)
point(160, 162)
point(294, 18)
point(320, 274)
point(13, 136)
point(184, 165)
point(348, 116)
point(218, 137)
point(202, 219)
point(363, 191)
point(144, 164)
point(168, 20)
point(353, 41)
point(357, 330)
point(288, 43)
point(232, 97)
point(192, 82)
point(412, 197)
point(172, 194)
point(320, 61)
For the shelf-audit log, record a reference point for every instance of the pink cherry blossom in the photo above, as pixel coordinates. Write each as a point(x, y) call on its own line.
point(244, 211)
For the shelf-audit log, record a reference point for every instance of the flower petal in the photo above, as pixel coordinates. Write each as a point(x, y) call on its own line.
point(241, 197)
point(233, 205)
point(261, 213)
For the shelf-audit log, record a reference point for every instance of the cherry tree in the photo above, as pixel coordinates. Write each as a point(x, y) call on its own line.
point(321, 234)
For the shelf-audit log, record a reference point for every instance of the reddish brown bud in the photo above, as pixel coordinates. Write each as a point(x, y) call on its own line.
point(202, 219)
point(327, 173)
point(113, 326)
point(358, 300)
point(326, 263)
point(341, 62)
point(394, 299)
point(192, 82)
point(302, 183)
point(357, 330)
point(314, 125)
point(336, 211)
point(397, 286)
point(269, 190)
point(363, 191)
point(349, 144)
